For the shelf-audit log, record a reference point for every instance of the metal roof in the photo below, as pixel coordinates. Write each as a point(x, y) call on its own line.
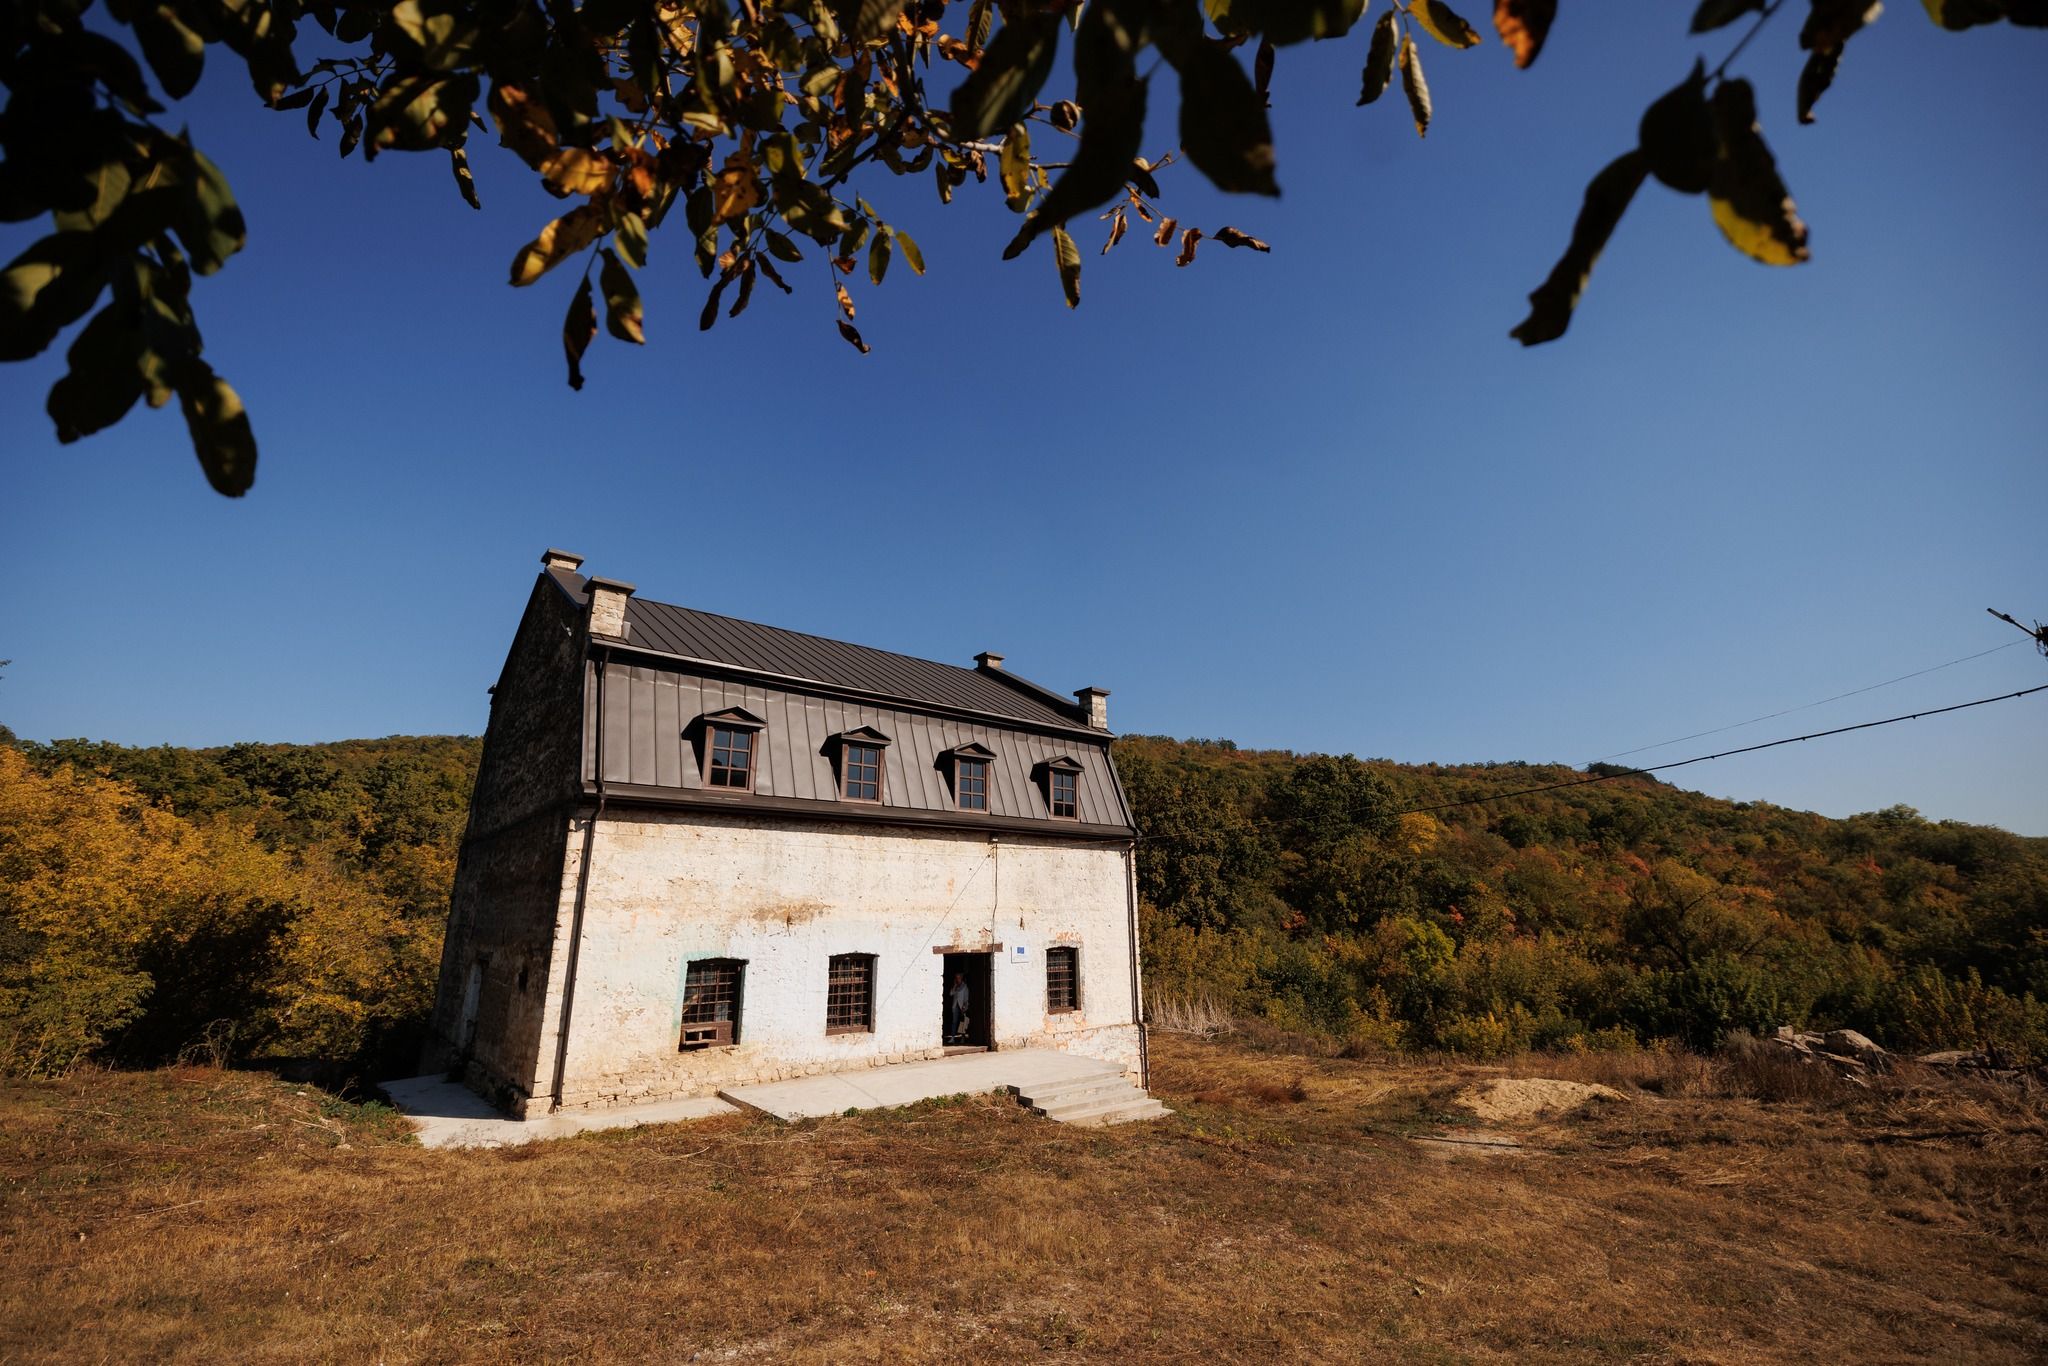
point(709, 637)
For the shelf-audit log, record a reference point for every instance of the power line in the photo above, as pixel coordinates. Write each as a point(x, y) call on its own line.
point(1808, 706)
point(1746, 749)
point(1676, 763)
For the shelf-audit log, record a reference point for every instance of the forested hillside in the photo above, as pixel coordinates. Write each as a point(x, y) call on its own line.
point(258, 899)
point(1604, 915)
point(287, 900)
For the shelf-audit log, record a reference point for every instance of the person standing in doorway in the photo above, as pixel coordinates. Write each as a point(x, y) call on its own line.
point(957, 998)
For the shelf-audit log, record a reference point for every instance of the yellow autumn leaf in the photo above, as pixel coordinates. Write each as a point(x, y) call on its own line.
point(575, 170)
point(734, 193)
point(1443, 23)
point(559, 240)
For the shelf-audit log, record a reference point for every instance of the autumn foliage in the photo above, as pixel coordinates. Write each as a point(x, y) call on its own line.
point(219, 904)
point(752, 137)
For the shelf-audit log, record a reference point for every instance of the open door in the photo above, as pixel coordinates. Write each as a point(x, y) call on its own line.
point(964, 1001)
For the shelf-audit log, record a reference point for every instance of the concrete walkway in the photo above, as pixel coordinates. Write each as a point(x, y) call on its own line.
point(875, 1088)
point(446, 1114)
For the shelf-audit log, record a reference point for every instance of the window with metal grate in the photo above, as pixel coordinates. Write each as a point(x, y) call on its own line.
point(711, 1002)
point(1062, 979)
point(850, 994)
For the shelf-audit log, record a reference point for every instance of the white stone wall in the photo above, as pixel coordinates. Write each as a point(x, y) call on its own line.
point(667, 888)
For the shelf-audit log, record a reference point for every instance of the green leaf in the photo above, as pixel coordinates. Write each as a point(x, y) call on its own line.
point(175, 53)
point(876, 19)
point(1101, 166)
point(781, 248)
point(47, 288)
point(1751, 204)
point(852, 335)
point(1379, 59)
point(1014, 166)
point(221, 436)
point(441, 31)
point(1443, 23)
point(579, 325)
point(105, 378)
point(624, 317)
point(1677, 135)
point(878, 257)
point(1713, 14)
point(1068, 256)
point(632, 240)
point(413, 113)
point(980, 15)
point(209, 222)
point(1284, 22)
point(1223, 124)
point(1012, 71)
point(912, 257)
point(1607, 198)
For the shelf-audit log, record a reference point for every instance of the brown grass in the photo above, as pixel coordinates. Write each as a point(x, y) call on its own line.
point(198, 1214)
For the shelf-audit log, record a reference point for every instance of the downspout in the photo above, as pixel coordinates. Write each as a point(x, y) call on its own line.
point(582, 891)
point(1137, 992)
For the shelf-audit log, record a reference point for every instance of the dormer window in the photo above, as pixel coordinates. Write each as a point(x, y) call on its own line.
point(970, 783)
point(732, 757)
point(1061, 785)
point(968, 768)
point(731, 748)
point(859, 760)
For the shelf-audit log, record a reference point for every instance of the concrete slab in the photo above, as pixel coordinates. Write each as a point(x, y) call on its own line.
point(445, 1114)
point(907, 1083)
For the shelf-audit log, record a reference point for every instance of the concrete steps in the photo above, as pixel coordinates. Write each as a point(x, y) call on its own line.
point(1098, 1098)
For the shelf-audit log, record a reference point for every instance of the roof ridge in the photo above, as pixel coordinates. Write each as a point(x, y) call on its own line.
point(829, 640)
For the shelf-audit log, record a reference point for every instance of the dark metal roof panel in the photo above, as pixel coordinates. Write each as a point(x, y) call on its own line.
point(650, 743)
point(692, 634)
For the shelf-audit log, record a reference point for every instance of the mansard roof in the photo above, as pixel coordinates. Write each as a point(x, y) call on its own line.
point(774, 653)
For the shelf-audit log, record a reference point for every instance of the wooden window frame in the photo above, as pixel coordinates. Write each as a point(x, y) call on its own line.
point(700, 1032)
point(859, 992)
point(963, 766)
point(1071, 954)
point(752, 734)
point(1053, 779)
point(848, 748)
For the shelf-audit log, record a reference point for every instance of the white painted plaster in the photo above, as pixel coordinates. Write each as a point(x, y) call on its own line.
point(670, 887)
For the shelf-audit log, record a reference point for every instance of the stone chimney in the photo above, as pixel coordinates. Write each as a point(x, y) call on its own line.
point(559, 559)
point(1095, 705)
point(608, 607)
point(990, 661)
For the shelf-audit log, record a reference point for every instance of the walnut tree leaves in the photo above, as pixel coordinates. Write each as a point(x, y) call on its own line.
point(1696, 143)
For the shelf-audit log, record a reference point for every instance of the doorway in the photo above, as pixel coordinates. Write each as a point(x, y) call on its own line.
point(966, 1028)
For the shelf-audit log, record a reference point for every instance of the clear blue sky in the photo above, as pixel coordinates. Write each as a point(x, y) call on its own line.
point(1315, 499)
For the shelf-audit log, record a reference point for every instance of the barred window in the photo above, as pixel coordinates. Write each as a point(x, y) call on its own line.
point(1062, 979)
point(1065, 801)
point(711, 1002)
point(732, 757)
point(970, 783)
point(861, 773)
point(850, 994)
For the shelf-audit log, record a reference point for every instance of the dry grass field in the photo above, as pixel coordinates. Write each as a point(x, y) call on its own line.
point(1714, 1212)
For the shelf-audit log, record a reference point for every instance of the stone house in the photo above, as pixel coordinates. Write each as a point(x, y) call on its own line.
point(703, 852)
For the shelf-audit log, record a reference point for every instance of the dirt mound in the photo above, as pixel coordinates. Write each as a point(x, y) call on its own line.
point(1517, 1098)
